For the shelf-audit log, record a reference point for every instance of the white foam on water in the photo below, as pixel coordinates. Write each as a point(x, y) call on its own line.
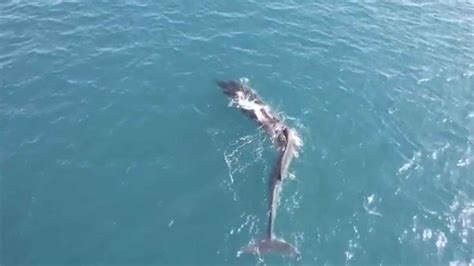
point(410, 163)
point(464, 162)
point(370, 199)
point(436, 152)
point(427, 234)
point(441, 241)
point(466, 159)
point(461, 263)
point(349, 255)
point(352, 247)
point(243, 101)
point(415, 224)
point(370, 206)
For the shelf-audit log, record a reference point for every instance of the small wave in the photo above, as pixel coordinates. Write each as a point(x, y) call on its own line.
point(461, 217)
point(422, 80)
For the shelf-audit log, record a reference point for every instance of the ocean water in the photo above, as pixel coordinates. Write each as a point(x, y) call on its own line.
point(117, 147)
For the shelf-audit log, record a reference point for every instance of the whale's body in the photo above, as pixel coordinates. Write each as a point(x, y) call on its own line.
point(287, 144)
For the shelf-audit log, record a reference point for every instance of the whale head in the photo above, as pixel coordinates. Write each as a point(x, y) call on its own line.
point(230, 88)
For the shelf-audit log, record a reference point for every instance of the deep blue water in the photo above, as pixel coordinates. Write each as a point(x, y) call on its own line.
point(116, 147)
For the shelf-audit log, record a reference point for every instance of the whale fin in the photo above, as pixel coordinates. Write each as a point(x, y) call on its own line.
point(274, 245)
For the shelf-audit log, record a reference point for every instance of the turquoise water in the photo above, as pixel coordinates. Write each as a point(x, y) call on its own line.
point(116, 147)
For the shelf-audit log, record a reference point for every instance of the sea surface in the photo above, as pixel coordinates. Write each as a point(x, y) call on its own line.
point(117, 147)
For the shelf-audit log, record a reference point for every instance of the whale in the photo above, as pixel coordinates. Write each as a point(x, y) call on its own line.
point(287, 143)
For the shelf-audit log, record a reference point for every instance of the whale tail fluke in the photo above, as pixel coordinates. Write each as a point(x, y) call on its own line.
point(274, 245)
